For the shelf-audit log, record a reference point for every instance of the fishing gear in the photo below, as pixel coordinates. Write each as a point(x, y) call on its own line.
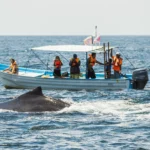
point(127, 58)
point(45, 64)
point(41, 61)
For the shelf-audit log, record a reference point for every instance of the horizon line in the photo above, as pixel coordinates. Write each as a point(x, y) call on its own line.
point(76, 35)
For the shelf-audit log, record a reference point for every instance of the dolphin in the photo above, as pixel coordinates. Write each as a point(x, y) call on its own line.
point(34, 101)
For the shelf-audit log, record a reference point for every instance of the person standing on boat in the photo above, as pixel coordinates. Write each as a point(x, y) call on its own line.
point(57, 67)
point(117, 63)
point(90, 63)
point(108, 68)
point(13, 68)
point(74, 67)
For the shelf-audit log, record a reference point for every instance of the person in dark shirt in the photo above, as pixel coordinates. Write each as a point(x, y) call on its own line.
point(74, 67)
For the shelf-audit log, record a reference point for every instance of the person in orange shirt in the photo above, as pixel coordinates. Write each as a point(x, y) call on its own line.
point(117, 63)
point(57, 67)
point(90, 63)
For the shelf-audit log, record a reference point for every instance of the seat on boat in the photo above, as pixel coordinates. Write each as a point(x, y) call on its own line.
point(45, 76)
point(30, 74)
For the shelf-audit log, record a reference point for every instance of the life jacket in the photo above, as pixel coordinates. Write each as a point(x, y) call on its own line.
point(92, 60)
point(57, 63)
point(14, 67)
point(77, 60)
point(117, 62)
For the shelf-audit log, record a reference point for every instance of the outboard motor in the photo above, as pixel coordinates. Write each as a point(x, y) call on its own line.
point(139, 78)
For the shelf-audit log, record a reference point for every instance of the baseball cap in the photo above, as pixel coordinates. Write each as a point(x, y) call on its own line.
point(117, 53)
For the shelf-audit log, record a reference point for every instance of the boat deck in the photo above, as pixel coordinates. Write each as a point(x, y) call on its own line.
point(50, 75)
point(36, 73)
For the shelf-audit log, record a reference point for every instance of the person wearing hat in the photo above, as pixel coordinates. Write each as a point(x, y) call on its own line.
point(13, 68)
point(90, 63)
point(74, 67)
point(117, 63)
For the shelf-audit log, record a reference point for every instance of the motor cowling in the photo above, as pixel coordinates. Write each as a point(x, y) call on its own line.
point(139, 78)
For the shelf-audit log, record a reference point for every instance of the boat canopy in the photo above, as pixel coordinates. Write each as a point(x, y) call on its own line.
point(71, 48)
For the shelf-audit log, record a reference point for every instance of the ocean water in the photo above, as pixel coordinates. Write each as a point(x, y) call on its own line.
point(96, 120)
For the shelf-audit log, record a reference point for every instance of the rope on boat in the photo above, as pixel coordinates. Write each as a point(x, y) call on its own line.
point(127, 59)
point(27, 62)
point(62, 55)
point(42, 61)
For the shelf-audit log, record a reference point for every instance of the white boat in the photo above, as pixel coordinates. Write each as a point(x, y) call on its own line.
point(31, 78)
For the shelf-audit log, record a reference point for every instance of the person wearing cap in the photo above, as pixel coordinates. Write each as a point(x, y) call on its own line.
point(90, 63)
point(117, 63)
point(13, 68)
point(74, 67)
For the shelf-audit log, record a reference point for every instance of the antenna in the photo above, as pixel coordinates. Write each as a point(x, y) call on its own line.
point(95, 31)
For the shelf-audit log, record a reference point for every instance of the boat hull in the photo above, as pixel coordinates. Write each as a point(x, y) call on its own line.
point(26, 82)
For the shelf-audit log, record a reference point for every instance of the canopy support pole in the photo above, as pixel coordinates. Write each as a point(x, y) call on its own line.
point(104, 60)
point(111, 52)
point(86, 66)
point(109, 63)
point(108, 51)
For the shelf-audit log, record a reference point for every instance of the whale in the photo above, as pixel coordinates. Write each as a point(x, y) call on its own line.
point(34, 101)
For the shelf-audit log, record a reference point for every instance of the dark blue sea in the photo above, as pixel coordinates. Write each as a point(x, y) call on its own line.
point(96, 120)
